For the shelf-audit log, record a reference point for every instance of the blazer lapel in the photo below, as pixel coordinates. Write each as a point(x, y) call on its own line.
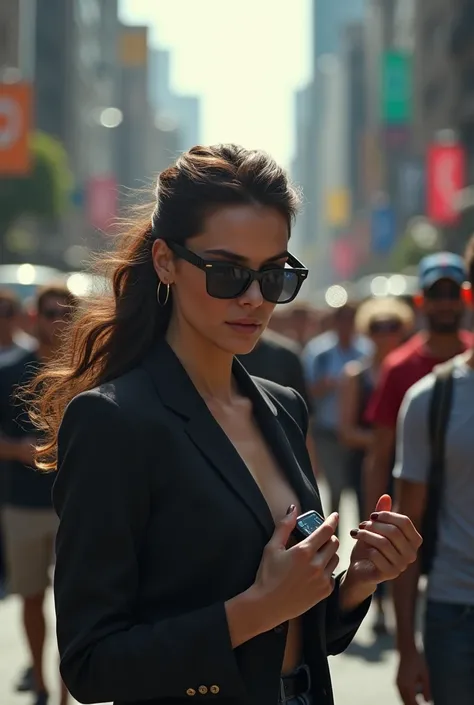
point(177, 392)
point(267, 412)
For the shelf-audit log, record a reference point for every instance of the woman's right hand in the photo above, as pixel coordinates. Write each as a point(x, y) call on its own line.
point(292, 580)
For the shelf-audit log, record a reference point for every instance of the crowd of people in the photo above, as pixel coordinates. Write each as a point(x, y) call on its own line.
point(147, 409)
point(368, 376)
point(30, 335)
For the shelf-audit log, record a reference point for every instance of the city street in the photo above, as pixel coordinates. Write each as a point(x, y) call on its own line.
point(362, 676)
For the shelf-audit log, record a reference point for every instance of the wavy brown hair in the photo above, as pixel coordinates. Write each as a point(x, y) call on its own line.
point(113, 331)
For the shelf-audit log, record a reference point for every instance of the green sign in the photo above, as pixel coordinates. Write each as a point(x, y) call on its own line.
point(396, 88)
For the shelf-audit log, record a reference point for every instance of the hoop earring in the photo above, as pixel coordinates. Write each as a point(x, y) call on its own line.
point(158, 297)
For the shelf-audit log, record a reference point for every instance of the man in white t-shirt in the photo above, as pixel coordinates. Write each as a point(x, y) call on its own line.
point(445, 671)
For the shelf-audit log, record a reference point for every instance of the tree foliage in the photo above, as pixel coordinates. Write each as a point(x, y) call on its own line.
point(45, 191)
point(407, 253)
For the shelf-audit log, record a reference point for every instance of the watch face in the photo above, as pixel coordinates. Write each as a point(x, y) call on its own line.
point(310, 523)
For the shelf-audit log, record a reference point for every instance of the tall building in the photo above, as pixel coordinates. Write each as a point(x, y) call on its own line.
point(17, 21)
point(329, 17)
point(76, 93)
point(434, 75)
point(301, 169)
point(354, 68)
point(393, 174)
point(331, 165)
point(462, 59)
point(436, 38)
point(133, 132)
point(444, 70)
point(55, 108)
point(183, 110)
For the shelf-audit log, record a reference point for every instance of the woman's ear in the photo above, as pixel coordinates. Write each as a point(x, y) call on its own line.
point(163, 261)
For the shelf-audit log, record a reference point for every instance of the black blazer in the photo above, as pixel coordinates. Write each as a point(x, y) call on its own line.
point(160, 524)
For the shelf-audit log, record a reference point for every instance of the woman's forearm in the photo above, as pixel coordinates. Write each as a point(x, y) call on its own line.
point(247, 617)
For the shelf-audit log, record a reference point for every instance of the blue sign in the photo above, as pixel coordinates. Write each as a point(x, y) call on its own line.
point(383, 229)
point(411, 187)
point(77, 197)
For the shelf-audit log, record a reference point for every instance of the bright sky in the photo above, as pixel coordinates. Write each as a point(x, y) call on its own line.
point(245, 59)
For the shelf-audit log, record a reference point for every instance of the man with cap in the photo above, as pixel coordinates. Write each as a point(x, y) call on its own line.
point(442, 303)
point(443, 670)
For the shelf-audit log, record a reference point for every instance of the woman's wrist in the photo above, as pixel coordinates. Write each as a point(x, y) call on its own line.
point(353, 591)
point(247, 616)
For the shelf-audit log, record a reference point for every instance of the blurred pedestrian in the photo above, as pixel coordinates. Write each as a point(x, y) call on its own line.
point(28, 519)
point(435, 485)
point(386, 322)
point(325, 358)
point(442, 304)
point(13, 341)
point(277, 359)
point(10, 309)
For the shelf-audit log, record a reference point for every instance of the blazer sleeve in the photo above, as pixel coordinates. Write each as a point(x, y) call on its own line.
point(102, 497)
point(341, 627)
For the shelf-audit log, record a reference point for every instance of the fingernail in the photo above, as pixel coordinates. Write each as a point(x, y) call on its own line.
point(291, 509)
point(374, 516)
point(363, 524)
point(354, 533)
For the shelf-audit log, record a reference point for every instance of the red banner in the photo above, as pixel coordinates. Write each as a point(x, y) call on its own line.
point(344, 257)
point(102, 202)
point(445, 179)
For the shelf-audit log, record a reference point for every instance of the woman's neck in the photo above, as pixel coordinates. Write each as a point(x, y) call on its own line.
point(209, 367)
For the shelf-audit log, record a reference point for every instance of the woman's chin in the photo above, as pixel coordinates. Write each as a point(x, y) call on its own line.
point(238, 346)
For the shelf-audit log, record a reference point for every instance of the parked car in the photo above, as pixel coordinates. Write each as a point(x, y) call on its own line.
point(25, 279)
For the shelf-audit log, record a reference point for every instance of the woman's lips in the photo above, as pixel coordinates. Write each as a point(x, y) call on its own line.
point(246, 328)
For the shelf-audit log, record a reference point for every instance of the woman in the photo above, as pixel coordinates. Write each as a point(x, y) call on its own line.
point(386, 322)
point(180, 477)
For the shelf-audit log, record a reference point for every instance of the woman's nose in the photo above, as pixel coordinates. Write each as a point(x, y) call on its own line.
point(253, 295)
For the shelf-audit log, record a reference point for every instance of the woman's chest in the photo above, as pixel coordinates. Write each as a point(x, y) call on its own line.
point(209, 516)
point(261, 462)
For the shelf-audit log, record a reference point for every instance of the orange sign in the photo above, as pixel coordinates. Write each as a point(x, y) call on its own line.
point(133, 46)
point(15, 124)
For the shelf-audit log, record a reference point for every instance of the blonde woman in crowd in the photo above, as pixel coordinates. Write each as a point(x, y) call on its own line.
point(387, 322)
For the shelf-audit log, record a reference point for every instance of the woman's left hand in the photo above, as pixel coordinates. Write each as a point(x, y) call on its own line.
point(385, 545)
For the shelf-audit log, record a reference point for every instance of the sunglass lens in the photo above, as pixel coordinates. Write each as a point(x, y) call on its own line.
point(444, 291)
point(385, 327)
point(279, 285)
point(224, 281)
point(56, 314)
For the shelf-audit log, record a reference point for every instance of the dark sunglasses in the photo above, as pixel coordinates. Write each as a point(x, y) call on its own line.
point(392, 326)
point(7, 311)
point(443, 292)
point(56, 314)
point(226, 280)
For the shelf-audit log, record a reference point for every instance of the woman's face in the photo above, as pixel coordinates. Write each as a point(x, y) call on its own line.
point(386, 334)
point(252, 236)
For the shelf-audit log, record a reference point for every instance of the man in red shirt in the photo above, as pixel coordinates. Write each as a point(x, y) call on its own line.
point(442, 276)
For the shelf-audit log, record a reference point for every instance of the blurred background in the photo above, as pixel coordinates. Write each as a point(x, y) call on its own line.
point(369, 104)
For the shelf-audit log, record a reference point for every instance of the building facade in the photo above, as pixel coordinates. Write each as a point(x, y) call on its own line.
point(183, 110)
point(328, 21)
point(133, 132)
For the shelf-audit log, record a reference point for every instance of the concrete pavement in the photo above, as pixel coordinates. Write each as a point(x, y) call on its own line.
point(364, 675)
